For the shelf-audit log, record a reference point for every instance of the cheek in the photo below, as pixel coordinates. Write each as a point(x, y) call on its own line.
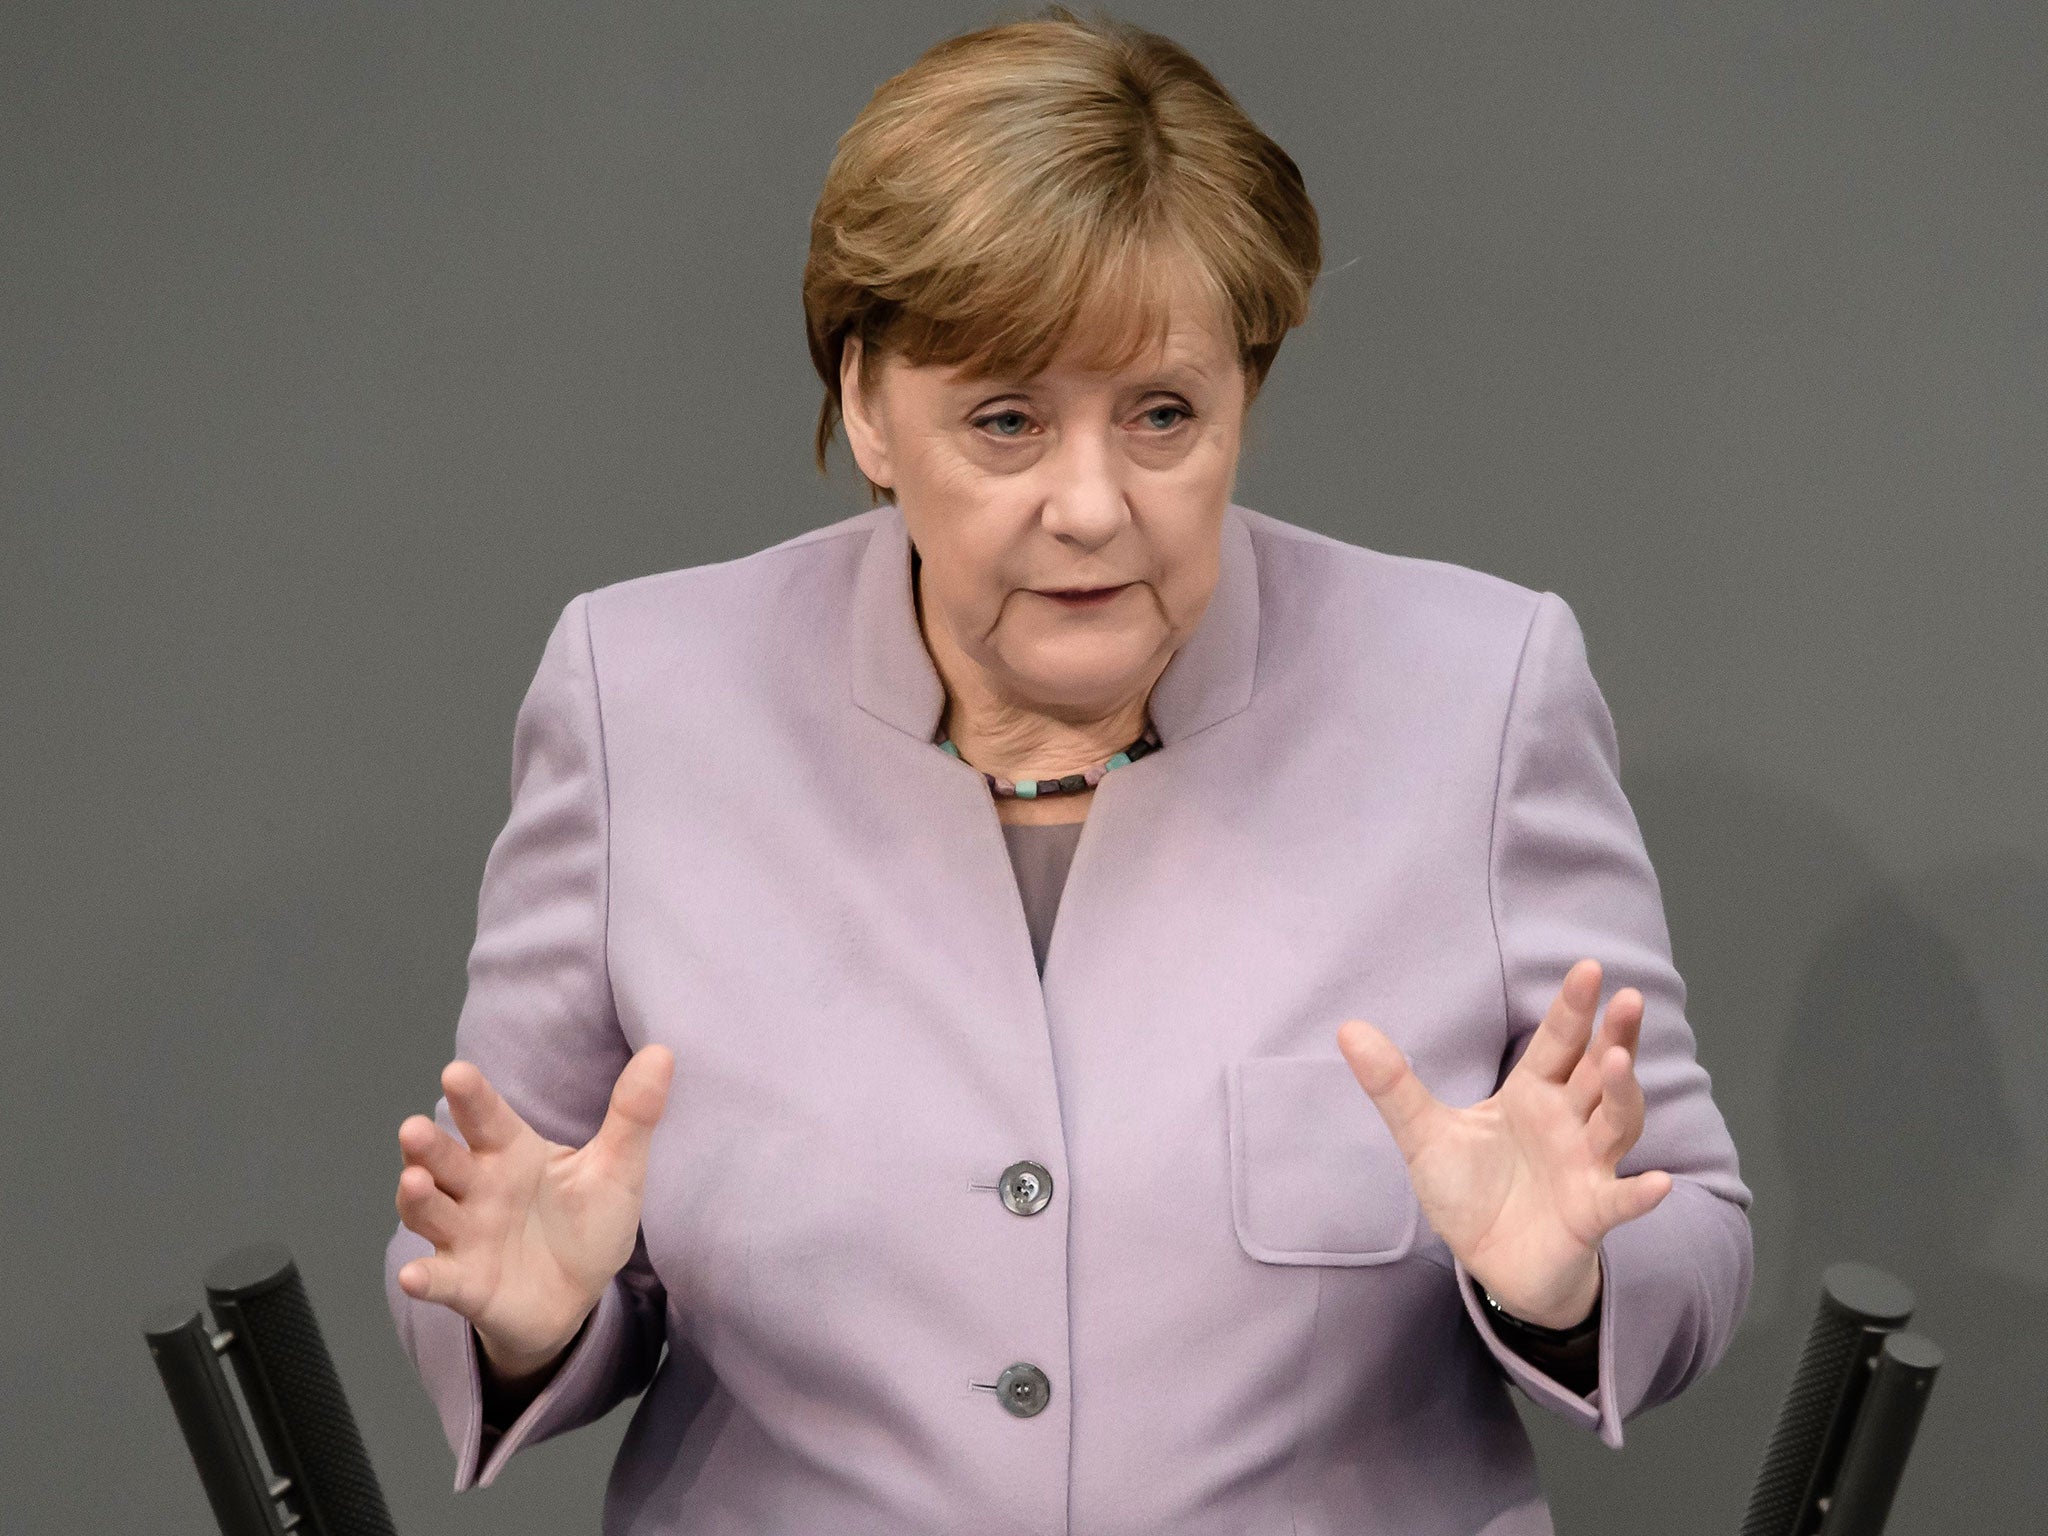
point(939, 469)
point(969, 553)
point(1190, 582)
point(1186, 523)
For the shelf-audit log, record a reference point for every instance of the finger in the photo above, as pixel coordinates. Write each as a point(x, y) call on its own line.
point(427, 1208)
point(486, 1121)
point(1620, 1025)
point(1627, 1199)
point(638, 1098)
point(1408, 1107)
point(1618, 1122)
point(1560, 1040)
point(424, 1144)
point(435, 1277)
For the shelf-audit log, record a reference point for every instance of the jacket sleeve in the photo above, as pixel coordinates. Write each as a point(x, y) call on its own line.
point(538, 1019)
point(1571, 878)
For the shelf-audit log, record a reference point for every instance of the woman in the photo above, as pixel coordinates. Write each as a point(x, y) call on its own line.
point(1232, 1199)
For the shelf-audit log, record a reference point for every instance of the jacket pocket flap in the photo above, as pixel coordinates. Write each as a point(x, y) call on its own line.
point(1315, 1176)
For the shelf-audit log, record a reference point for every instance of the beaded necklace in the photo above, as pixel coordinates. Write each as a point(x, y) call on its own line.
point(1066, 784)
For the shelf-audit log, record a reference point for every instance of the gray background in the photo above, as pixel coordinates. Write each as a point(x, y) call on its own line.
point(342, 345)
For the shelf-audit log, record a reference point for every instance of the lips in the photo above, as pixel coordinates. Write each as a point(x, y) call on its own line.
point(1082, 592)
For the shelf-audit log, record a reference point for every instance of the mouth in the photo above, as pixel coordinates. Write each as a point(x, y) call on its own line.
point(1083, 597)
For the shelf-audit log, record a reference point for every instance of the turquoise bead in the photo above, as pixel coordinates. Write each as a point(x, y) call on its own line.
point(1116, 762)
point(1027, 789)
point(947, 746)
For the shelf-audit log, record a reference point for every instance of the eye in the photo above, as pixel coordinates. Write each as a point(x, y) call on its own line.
point(1005, 423)
point(1176, 415)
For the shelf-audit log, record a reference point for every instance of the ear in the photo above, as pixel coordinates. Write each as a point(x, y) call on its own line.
point(866, 429)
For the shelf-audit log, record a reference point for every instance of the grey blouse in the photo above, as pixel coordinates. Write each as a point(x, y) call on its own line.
point(1041, 855)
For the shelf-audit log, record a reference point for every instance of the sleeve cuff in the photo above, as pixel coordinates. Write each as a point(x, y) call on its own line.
point(583, 1372)
point(443, 1345)
point(1596, 1410)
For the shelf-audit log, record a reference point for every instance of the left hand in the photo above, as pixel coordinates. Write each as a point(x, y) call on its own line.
point(1521, 1186)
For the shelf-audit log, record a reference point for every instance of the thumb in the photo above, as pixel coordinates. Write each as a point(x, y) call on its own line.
point(638, 1099)
point(1409, 1108)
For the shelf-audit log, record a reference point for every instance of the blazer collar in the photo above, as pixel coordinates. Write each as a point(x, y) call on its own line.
point(1208, 679)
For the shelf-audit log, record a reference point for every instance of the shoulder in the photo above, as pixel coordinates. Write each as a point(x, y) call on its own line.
point(693, 615)
point(1320, 591)
point(1442, 647)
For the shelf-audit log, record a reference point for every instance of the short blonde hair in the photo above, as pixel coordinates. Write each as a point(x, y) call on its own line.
point(1016, 178)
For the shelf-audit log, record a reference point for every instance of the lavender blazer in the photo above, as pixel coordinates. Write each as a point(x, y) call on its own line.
point(1388, 789)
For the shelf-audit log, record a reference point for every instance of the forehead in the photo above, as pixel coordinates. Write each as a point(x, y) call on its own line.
point(1191, 343)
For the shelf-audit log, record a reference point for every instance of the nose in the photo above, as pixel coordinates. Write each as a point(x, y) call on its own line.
point(1086, 505)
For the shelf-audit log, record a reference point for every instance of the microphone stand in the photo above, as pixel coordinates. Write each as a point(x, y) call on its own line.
point(319, 1481)
point(1840, 1446)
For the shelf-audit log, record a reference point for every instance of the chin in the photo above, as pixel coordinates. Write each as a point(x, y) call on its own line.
point(1085, 684)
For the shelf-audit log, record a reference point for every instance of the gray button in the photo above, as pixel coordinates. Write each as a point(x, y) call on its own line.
point(1026, 1188)
point(1024, 1389)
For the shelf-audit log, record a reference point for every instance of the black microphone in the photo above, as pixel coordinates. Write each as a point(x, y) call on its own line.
point(1871, 1467)
point(320, 1482)
point(1848, 1421)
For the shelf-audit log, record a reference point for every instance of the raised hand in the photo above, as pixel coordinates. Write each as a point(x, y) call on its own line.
point(527, 1232)
point(1522, 1185)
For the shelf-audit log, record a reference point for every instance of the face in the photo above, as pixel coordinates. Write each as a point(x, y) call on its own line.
point(1078, 480)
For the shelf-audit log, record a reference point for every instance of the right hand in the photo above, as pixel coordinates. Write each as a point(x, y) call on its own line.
point(527, 1233)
